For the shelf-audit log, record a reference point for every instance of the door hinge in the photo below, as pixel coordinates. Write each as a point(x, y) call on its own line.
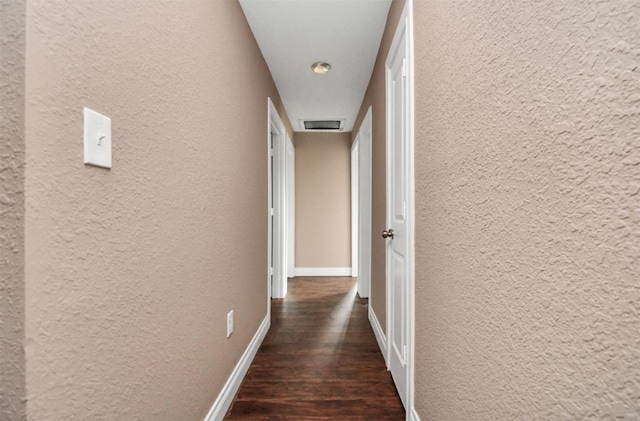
point(271, 271)
point(271, 212)
point(271, 152)
point(404, 67)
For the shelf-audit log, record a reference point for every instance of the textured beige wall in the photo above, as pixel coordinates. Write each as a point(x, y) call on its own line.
point(375, 97)
point(12, 362)
point(130, 272)
point(323, 199)
point(528, 213)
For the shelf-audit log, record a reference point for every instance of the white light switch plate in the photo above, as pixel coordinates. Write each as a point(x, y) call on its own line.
point(97, 139)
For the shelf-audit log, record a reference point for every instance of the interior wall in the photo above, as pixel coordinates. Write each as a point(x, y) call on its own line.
point(375, 98)
point(323, 200)
point(130, 272)
point(527, 210)
point(12, 362)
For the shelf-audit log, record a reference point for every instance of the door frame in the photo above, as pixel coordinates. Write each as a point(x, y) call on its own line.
point(355, 205)
point(364, 139)
point(276, 204)
point(405, 26)
point(290, 198)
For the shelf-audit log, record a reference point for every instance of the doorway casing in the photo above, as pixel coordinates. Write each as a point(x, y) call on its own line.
point(361, 205)
point(276, 209)
point(355, 204)
point(290, 199)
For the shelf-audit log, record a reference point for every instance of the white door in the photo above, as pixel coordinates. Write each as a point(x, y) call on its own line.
point(397, 232)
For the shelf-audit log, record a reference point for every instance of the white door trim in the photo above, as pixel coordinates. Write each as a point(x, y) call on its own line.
point(405, 26)
point(291, 208)
point(355, 205)
point(365, 133)
point(277, 231)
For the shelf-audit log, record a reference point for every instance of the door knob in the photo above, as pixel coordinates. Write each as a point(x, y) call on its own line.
point(387, 233)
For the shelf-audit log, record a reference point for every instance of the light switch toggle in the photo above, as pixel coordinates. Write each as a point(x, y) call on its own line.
point(97, 139)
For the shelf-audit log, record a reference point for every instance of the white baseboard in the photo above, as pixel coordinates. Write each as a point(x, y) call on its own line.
point(414, 415)
point(379, 334)
point(323, 271)
point(228, 393)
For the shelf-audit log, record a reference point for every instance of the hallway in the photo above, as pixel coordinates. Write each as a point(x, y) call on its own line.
point(319, 361)
point(148, 152)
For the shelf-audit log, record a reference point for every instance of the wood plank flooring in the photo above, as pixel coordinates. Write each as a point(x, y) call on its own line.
point(319, 361)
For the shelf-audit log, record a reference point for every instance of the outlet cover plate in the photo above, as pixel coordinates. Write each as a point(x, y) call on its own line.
point(229, 323)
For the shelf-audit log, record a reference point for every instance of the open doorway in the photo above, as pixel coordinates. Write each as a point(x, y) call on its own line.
point(277, 206)
point(290, 199)
point(361, 205)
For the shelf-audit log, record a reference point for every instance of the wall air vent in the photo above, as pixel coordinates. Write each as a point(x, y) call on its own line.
point(323, 124)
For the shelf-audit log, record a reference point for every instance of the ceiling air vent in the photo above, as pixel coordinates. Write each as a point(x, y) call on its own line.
point(322, 124)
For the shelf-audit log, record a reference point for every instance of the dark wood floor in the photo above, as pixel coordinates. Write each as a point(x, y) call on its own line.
point(319, 361)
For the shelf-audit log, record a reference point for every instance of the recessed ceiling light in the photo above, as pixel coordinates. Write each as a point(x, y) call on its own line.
point(320, 67)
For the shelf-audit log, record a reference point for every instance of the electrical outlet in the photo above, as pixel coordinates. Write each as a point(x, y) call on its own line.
point(229, 323)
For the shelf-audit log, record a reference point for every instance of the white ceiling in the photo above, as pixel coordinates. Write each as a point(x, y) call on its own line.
point(293, 34)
